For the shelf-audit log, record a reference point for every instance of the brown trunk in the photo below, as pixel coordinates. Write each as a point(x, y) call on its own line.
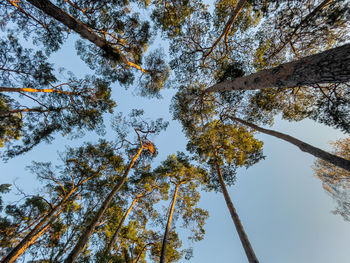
point(89, 230)
point(239, 227)
point(84, 31)
point(305, 147)
point(227, 27)
point(331, 66)
point(167, 229)
point(6, 89)
point(36, 232)
point(116, 233)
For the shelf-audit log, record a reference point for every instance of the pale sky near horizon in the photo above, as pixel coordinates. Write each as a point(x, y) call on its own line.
point(282, 206)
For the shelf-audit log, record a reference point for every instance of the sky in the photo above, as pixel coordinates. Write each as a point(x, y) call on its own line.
point(283, 208)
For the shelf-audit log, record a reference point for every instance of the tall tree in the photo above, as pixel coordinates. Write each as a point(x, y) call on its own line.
point(142, 130)
point(224, 148)
point(81, 166)
point(305, 147)
point(185, 178)
point(330, 66)
point(118, 37)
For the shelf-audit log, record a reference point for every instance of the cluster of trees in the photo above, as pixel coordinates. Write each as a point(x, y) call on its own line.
point(236, 65)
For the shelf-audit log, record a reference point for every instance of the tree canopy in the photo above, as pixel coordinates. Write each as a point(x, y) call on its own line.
point(233, 67)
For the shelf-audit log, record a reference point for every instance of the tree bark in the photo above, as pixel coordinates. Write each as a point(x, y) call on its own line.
point(305, 147)
point(239, 227)
point(84, 31)
point(89, 230)
point(36, 232)
point(168, 225)
point(117, 231)
point(331, 66)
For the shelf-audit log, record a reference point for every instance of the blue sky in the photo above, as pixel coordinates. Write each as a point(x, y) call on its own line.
point(285, 212)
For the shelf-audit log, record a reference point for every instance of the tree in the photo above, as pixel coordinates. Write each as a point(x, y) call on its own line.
point(305, 147)
point(336, 180)
point(142, 130)
point(118, 36)
point(185, 179)
point(81, 166)
point(330, 66)
point(224, 148)
point(145, 191)
point(39, 105)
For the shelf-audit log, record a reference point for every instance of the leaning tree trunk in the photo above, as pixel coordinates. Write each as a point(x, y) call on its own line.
point(36, 232)
point(234, 14)
point(305, 147)
point(89, 230)
point(331, 66)
point(239, 227)
point(117, 231)
point(168, 225)
point(84, 31)
point(33, 90)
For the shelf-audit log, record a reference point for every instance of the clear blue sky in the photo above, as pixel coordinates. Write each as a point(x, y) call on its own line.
point(285, 212)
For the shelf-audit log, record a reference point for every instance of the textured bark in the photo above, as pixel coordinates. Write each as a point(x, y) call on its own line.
point(84, 31)
point(239, 227)
point(305, 147)
point(36, 232)
point(235, 12)
point(89, 230)
point(117, 231)
point(331, 66)
point(6, 89)
point(168, 225)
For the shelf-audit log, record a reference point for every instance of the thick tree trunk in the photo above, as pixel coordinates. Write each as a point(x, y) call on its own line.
point(89, 230)
point(84, 31)
point(36, 232)
point(331, 66)
point(239, 227)
point(117, 231)
point(168, 225)
point(6, 89)
point(305, 147)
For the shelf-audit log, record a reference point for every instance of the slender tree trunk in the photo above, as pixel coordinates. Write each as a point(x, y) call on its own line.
point(235, 12)
point(302, 22)
point(167, 229)
point(7, 89)
point(84, 31)
point(89, 230)
point(239, 227)
point(305, 147)
point(331, 66)
point(117, 231)
point(140, 254)
point(34, 234)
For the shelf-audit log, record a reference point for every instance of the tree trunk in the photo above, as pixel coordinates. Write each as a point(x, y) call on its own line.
point(84, 31)
point(302, 22)
point(34, 234)
point(89, 230)
point(235, 12)
point(116, 233)
point(239, 227)
point(305, 147)
point(6, 89)
point(167, 229)
point(331, 66)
